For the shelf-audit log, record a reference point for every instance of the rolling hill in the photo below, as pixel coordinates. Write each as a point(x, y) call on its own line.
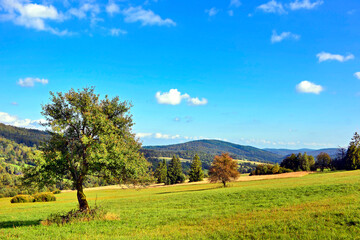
point(210, 148)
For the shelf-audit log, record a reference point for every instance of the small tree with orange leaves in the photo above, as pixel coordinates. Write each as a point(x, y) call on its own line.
point(223, 169)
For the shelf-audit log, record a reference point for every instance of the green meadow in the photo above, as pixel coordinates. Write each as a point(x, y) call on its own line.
point(316, 206)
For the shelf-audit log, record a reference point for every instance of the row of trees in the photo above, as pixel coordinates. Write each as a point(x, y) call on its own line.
point(222, 169)
point(172, 173)
point(346, 159)
point(266, 169)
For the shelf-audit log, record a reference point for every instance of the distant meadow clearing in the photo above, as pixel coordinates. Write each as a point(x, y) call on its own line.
point(315, 206)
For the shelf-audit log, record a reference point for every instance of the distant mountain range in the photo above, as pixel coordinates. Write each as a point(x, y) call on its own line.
point(206, 149)
point(286, 152)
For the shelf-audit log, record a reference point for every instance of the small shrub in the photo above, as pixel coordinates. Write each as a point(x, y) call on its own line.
point(22, 199)
point(44, 197)
point(2, 195)
point(57, 191)
point(76, 215)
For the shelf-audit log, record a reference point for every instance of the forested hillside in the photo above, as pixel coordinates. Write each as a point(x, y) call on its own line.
point(207, 149)
point(29, 137)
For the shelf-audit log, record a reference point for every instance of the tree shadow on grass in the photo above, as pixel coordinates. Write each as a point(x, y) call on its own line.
point(13, 224)
point(195, 190)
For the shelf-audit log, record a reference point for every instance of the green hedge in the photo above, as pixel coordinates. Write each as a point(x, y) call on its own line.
point(22, 199)
point(38, 197)
point(44, 197)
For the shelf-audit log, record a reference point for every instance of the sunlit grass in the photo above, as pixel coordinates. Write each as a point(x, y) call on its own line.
point(317, 206)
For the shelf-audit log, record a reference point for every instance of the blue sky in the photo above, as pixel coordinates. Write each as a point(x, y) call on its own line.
point(279, 74)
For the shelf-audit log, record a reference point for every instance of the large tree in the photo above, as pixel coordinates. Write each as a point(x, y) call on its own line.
point(352, 158)
point(196, 173)
point(223, 169)
point(89, 136)
point(323, 161)
point(174, 171)
point(161, 172)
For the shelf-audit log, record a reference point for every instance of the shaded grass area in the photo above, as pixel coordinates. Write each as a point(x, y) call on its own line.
point(317, 206)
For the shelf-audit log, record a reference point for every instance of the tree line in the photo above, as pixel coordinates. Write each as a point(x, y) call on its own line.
point(346, 159)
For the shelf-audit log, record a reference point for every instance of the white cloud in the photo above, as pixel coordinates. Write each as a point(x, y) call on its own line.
point(31, 15)
point(15, 121)
point(235, 3)
point(174, 97)
point(324, 56)
point(30, 82)
point(231, 13)
point(197, 101)
point(112, 8)
point(309, 87)
point(143, 135)
point(146, 17)
point(117, 32)
point(212, 11)
point(166, 136)
point(284, 35)
point(305, 4)
point(357, 75)
point(272, 7)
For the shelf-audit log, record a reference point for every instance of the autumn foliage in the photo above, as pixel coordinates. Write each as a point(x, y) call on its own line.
point(223, 169)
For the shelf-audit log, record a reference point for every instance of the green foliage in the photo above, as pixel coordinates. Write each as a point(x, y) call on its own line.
point(352, 158)
point(269, 169)
point(89, 136)
point(22, 199)
point(300, 162)
point(57, 191)
point(196, 173)
point(174, 172)
point(44, 197)
point(161, 172)
point(323, 161)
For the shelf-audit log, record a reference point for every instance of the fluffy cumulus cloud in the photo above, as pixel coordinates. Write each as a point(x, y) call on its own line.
point(324, 56)
point(15, 121)
point(145, 17)
point(305, 4)
point(284, 35)
point(309, 87)
point(212, 11)
point(174, 97)
point(30, 82)
point(272, 7)
point(357, 75)
point(31, 15)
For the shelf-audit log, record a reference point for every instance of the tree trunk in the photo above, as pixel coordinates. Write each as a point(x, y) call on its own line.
point(83, 204)
point(224, 182)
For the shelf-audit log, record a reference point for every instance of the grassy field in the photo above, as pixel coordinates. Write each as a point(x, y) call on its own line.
point(316, 206)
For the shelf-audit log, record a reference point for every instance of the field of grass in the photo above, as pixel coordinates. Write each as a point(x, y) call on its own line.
point(316, 206)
